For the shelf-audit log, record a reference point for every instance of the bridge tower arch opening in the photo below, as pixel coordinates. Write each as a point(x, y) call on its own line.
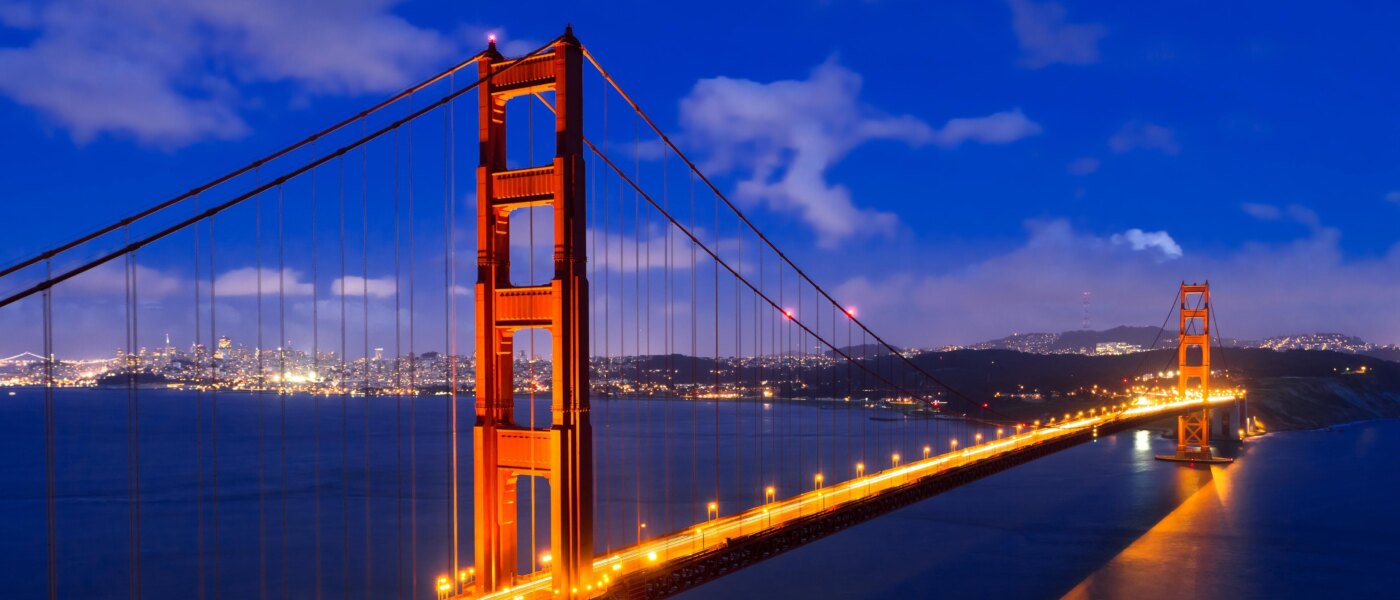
point(504, 450)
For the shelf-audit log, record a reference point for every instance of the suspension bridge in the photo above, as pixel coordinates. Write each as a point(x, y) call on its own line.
point(644, 394)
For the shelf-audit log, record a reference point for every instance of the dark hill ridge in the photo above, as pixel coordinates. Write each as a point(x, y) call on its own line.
point(1082, 341)
point(1295, 389)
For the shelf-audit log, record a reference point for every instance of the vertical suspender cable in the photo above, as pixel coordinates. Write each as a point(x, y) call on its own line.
point(342, 381)
point(607, 317)
point(737, 364)
point(668, 344)
point(136, 424)
point(50, 498)
point(199, 423)
point(412, 384)
point(636, 324)
point(694, 369)
point(449, 207)
point(282, 389)
point(365, 357)
point(715, 439)
point(133, 534)
point(262, 405)
point(316, 386)
point(214, 412)
point(398, 385)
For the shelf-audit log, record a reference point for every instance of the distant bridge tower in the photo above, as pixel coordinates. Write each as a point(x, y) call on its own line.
point(1193, 375)
point(506, 451)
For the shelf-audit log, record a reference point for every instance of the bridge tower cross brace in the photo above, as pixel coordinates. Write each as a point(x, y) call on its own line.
point(504, 450)
point(1193, 428)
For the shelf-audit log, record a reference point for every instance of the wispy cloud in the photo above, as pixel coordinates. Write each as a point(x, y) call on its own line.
point(1038, 286)
point(352, 285)
point(1141, 135)
point(996, 128)
point(1263, 212)
point(1083, 166)
point(165, 72)
point(782, 137)
point(1047, 38)
point(1152, 241)
point(244, 282)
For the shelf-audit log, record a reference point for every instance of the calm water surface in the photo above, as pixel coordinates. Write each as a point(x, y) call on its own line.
point(1308, 514)
point(363, 487)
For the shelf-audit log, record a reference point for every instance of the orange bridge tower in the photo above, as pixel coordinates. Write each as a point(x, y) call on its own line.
point(1193, 375)
point(505, 450)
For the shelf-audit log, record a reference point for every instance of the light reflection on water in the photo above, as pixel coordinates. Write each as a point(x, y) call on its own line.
point(1297, 515)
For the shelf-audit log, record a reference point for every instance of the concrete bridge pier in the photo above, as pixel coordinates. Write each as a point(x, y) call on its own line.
point(1232, 420)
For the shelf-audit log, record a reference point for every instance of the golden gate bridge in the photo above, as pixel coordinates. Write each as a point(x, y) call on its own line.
point(611, 274)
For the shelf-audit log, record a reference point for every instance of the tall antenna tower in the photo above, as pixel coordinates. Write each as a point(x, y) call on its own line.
point(1085, 323)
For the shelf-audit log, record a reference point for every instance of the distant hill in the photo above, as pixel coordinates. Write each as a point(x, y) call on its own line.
point(1127, 339)
point(1081, 341)
point(1293, 389)
point(860, 350)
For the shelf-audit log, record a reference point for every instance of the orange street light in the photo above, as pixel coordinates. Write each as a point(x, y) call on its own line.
point(926, 451)
point(712, 510)
point(817, 481)
point(770, 494)
point(860, 469)
point(894, 459)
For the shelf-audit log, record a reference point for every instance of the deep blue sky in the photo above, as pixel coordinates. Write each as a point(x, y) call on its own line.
point(1040, 149)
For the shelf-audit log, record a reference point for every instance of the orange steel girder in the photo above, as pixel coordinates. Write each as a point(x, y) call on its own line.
point(1193, 428)
point(505, 451)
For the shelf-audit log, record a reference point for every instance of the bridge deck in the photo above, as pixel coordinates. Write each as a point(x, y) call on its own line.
point(640, 571)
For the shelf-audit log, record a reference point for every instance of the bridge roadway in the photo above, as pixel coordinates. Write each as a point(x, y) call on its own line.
point(683, 559)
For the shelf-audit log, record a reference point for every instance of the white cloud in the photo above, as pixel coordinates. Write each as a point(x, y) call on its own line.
point(1263, 212)
point(1393, 196)
point(244, 282)
point(353, 285)
point(164, 71)
point(784, 136)
point(1083, 166)
point(997, 128)
point(1135, 135)
point(1038, 286)
point(1160, 241)
point(111, 278)
point(1046, 38)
